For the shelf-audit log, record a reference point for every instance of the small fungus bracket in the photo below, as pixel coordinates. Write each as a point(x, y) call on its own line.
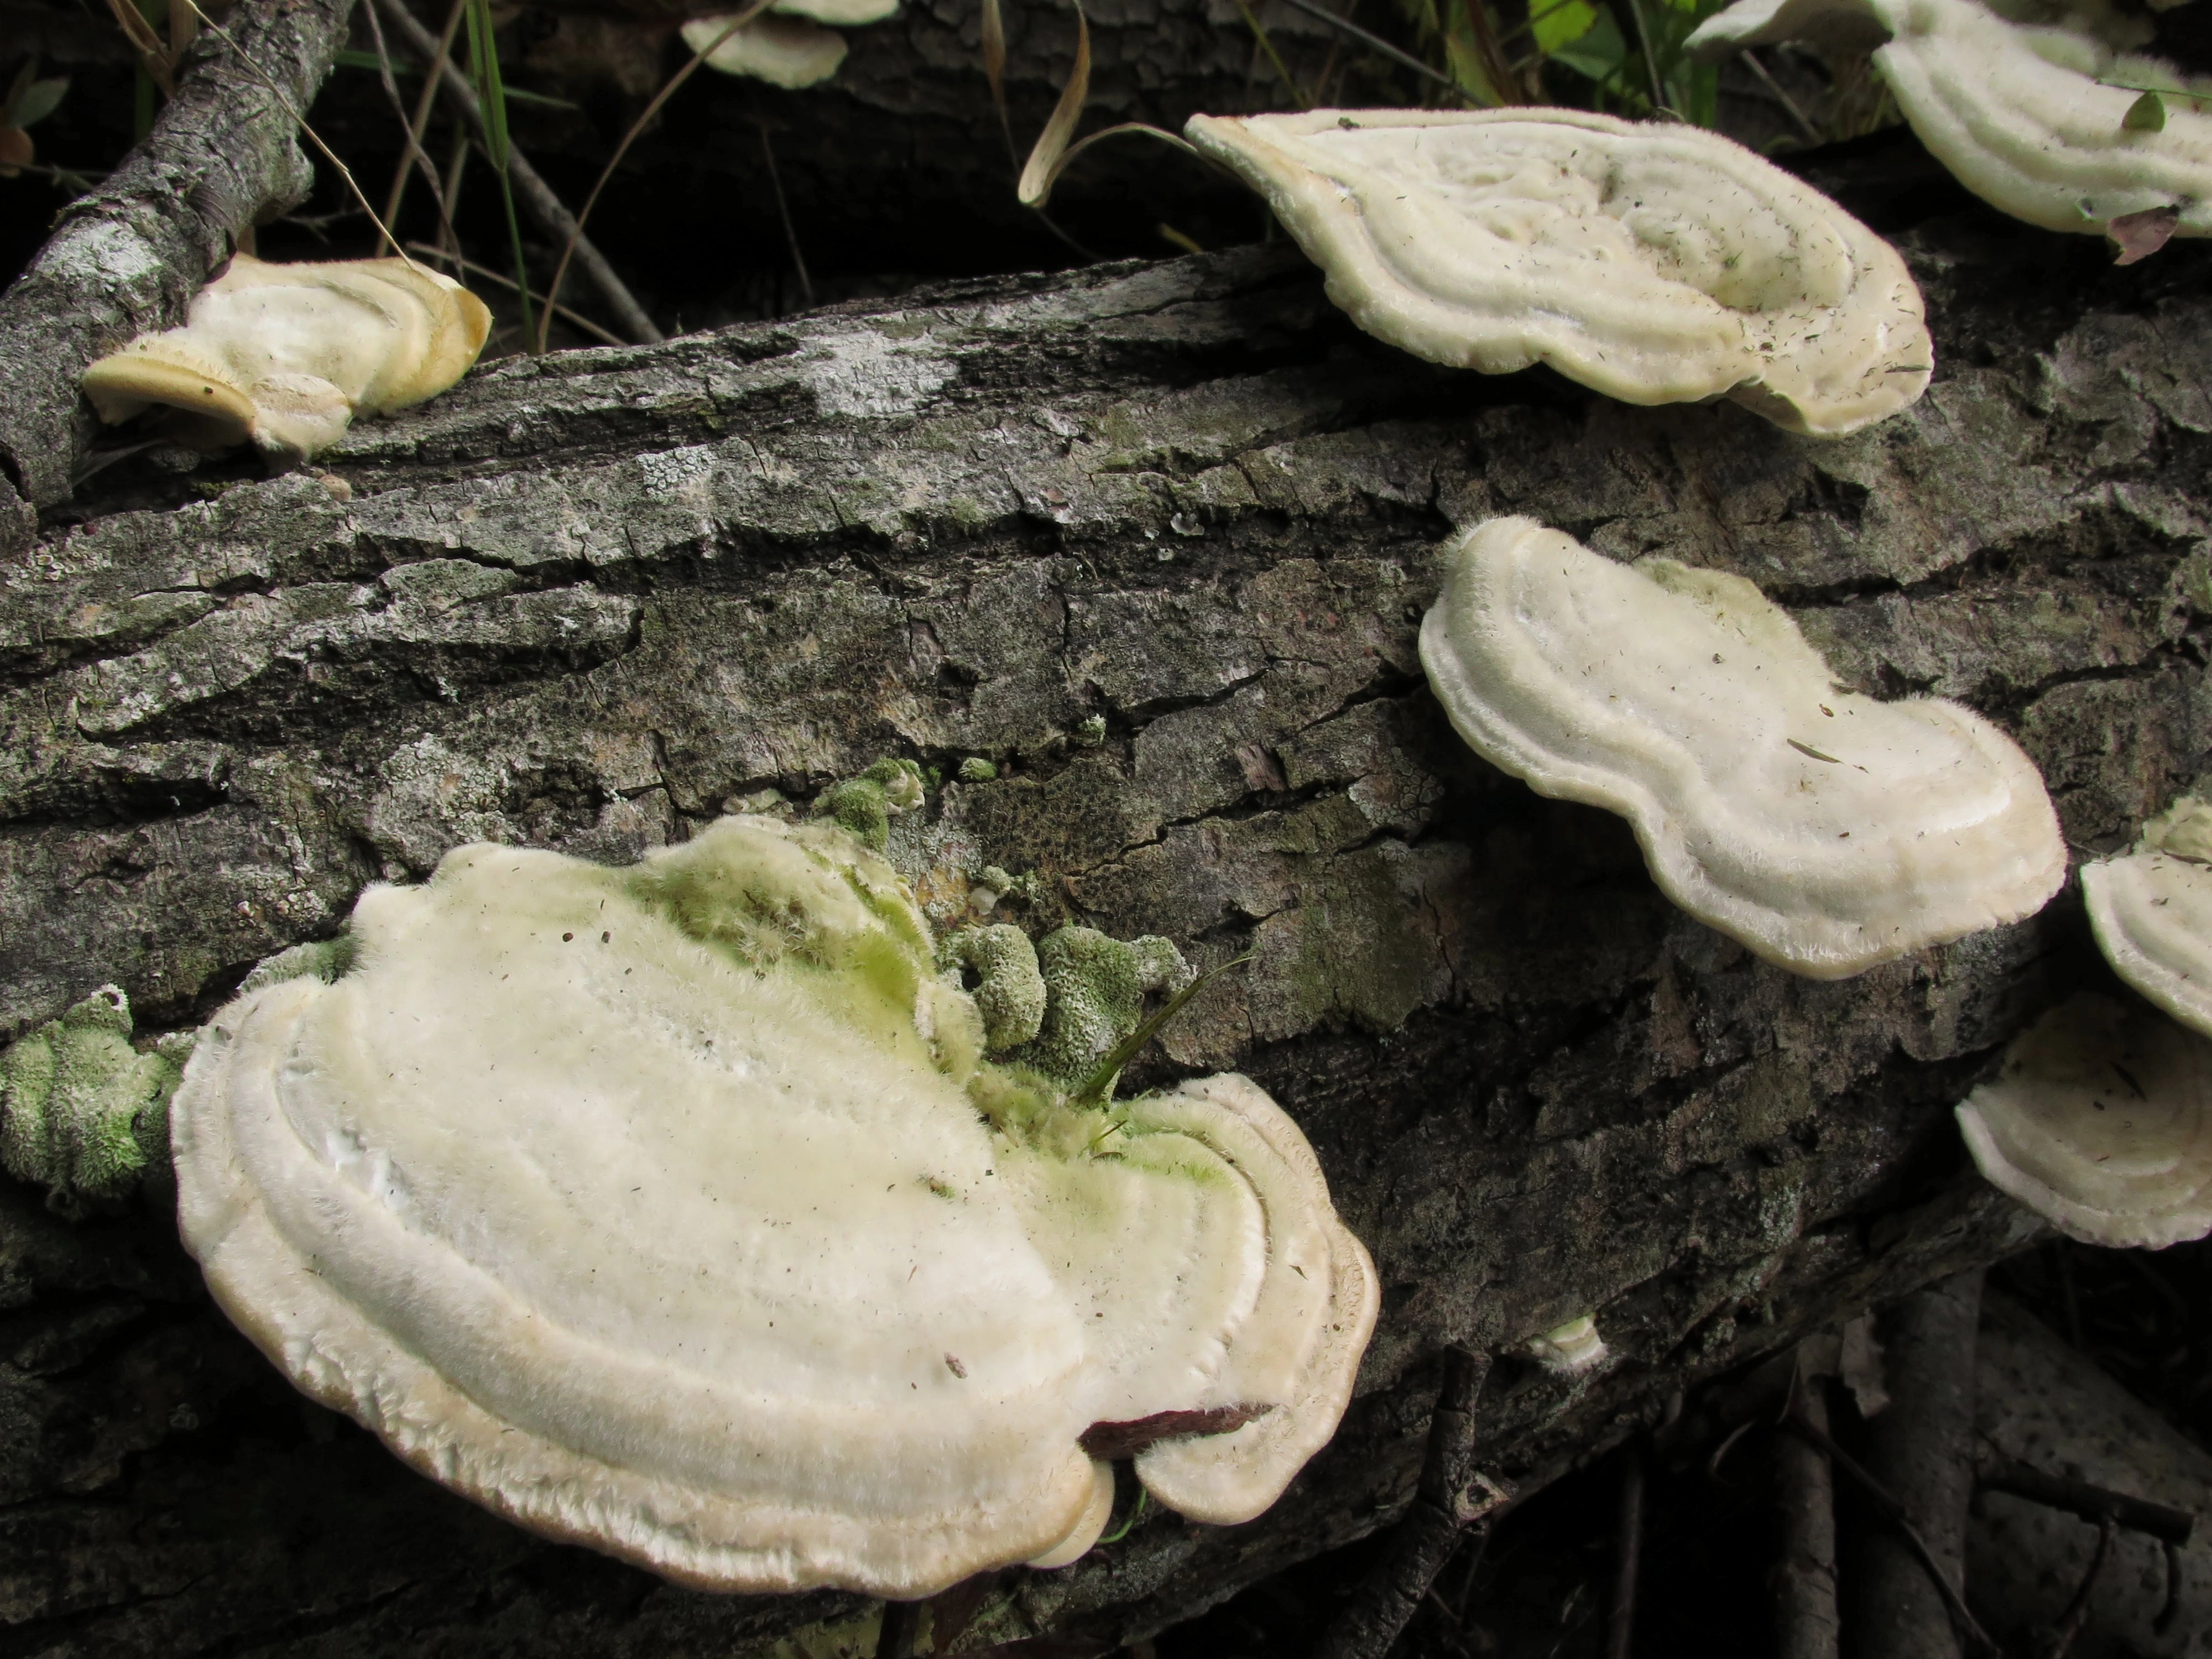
point(1573, 1349)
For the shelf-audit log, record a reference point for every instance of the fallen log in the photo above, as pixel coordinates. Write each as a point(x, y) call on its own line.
point(1148, 545)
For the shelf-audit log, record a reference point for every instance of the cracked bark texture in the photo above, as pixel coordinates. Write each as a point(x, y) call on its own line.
point(589, 601)
point(129, 256)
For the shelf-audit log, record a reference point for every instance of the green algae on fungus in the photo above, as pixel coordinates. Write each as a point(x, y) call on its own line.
point(1096, 986)
point(677, 1210)
point(1010, 991)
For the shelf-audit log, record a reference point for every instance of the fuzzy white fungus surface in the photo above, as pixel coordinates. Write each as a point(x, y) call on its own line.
point(2151, 912)
point(1657, 263)
point(1826, 830)
point(2100, 1122)
point(286, 355)
point(785, 52)
point(2027, 105)
point(673, 1210)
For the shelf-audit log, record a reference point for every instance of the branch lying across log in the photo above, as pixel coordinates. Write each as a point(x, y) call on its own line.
point(1153, 541)
point(129, 256)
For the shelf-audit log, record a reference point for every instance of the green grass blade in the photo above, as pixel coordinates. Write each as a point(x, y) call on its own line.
point(491, 94)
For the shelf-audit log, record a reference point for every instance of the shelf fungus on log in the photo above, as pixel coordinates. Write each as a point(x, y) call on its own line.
point(2055, 120)
point(679, 1211)
point(1655, 264)
point(1826, 830)
point(788, 48)
point(2151, 911)
point(286, 355)
point(2100, 1122)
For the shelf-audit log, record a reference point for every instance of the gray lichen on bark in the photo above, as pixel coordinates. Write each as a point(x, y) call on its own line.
point(590, 601)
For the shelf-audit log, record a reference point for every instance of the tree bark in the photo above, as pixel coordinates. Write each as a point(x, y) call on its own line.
point(590, 601)
point(129, 256)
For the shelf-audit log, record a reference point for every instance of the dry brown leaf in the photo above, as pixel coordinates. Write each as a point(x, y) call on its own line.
point(2139, 236)
point(1043, 165)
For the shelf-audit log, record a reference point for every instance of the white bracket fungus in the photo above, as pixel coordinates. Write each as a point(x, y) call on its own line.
point(2100, 1122)
point(784, 49)
point(82, 1112)
point(2040, 120)
point(2151, 912)
point(674, 1210)
point(1826, 830)
point(1570, 1350)
point(286, 355)
point(1657, 263)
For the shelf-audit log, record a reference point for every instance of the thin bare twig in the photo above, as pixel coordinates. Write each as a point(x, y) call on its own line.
point(2077, 1610)
point(1806, 1622)
point(1374, 43)
point(1811, 133)
point(2080, 1498)
point(1891, 1510)
point(783, 212)
point(535, 193)
point(299, 120)
point(507, 282)
point(1628, 1551)
point(418, 124)
point(153, 54)
point(574, 243)
point(1452, 1497)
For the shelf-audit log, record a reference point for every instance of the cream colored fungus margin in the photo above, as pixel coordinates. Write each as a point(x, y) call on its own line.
point(1826, 830)
point(2100, 1122)
point(654, 1209)
point(2031, 116)
point(1654, 262)
point(2151, 910)
point(286, 355)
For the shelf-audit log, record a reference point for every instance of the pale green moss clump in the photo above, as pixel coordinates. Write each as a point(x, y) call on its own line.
point(865, 805)
point(1096, 987)
point(82, 1112)
point(323, 959)
point(1010, 991)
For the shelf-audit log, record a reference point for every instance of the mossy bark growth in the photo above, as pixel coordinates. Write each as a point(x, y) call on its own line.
point(1153, 542)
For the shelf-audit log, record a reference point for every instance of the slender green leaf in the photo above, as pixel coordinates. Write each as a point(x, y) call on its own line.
point(994, 53)
point(39, 100)
point(2146, 114)
point(349, 58)
point(1561, 25)
point(491, 90)
point(1098, 1088)
point(21, 85)
point(1598, 53)
point(491, 94)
